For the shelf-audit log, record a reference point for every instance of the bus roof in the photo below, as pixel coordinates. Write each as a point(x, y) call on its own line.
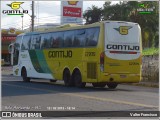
point(73, 26)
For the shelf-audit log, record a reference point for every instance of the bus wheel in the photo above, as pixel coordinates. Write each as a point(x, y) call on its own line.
point(112, 85)
point(24, 75)
point(53, 81)
point(78, 79)
point(67, 78)
point(102, 85)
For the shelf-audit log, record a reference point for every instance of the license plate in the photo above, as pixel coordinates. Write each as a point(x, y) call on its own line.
point(123, 76)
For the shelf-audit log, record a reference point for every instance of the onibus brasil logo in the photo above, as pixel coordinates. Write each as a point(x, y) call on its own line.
point(15, 6)
point(145, 9)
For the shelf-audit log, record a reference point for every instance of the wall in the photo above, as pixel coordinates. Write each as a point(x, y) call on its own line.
point(150, 68)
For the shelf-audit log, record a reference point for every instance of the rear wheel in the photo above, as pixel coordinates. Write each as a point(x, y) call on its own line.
point(112, 85)
point(24, 75)
point(78, 79)
point(67, 78)
point(102, 85)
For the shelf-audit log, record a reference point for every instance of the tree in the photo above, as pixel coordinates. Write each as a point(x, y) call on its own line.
point(118, 12)
point(93, 14)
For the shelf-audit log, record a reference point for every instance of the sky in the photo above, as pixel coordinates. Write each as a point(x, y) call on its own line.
point(45, 12)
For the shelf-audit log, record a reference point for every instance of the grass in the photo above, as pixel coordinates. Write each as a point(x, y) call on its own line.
point(151, 51)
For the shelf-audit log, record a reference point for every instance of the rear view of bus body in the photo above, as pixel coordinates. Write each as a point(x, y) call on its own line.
point(122, 52)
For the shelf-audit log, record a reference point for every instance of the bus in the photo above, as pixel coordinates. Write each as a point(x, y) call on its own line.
point(102, 53)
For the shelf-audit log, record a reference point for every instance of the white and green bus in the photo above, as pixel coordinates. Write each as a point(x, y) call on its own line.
point(103, 53)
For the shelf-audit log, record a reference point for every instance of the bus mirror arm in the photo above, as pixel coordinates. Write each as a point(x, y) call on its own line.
point(11, 48)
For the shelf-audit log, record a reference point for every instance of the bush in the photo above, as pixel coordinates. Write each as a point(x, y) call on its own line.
point(150, 51)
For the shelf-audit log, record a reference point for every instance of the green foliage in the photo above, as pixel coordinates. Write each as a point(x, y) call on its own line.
point(93, 14)
point(151, 51)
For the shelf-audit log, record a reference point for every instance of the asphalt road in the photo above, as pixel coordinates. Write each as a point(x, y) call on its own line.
point(41, 95)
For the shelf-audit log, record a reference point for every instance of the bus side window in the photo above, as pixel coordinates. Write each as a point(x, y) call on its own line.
point(79, 38)
point(92, 35)
point(54, 41)
point(35, 42)
point(68, 38)
point(26, 43)
point(32, 45)
point(17, 43)
point(46, 40)
point(60, 39)
point(42, 41)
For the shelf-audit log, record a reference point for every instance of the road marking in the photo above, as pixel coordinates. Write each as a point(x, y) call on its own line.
point(88, 97)
point(111, 100)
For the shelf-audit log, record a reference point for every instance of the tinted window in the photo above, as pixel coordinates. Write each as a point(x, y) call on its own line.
point(18, 42)
point(46, 40)
point(92, 35)
point(26, 42)
point(68, 38)
point(35, 42)
point(57, 39)
point(80, 37)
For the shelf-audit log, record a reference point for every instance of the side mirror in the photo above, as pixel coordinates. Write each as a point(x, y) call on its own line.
point(11, 48)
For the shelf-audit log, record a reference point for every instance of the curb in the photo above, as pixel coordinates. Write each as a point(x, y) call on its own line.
point(145, 84)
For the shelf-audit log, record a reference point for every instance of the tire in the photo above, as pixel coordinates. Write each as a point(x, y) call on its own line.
point(78, 79)
point(67, 78)
point(112, 85)
point(24, 75)
point(102, 85)
point(53, 81)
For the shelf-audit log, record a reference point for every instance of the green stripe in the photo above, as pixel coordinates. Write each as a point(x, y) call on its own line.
point(42, 61)
point(35, 61)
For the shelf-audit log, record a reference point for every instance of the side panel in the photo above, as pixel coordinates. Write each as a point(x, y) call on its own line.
point(50, 63)
point(58, 60)
point(36, 67)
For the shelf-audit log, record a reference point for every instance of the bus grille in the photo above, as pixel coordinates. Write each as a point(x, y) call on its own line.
point(91, 70)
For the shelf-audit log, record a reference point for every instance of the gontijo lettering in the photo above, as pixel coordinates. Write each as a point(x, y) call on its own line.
point(122, 47)
point(60, 54)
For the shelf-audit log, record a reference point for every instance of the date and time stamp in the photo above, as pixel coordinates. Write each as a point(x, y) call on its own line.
point(31, 111)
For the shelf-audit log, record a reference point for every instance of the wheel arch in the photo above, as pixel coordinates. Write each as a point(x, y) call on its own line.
point(76, 69)
point(66, 68)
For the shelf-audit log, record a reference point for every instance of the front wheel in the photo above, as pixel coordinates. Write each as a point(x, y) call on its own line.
point(24, 75)
point(112, 85)
point(78, 80)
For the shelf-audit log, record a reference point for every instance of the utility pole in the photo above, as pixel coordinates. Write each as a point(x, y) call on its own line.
point(32, 17)
point(22, 22)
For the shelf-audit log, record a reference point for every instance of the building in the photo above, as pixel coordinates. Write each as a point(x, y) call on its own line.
point(8, 37)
